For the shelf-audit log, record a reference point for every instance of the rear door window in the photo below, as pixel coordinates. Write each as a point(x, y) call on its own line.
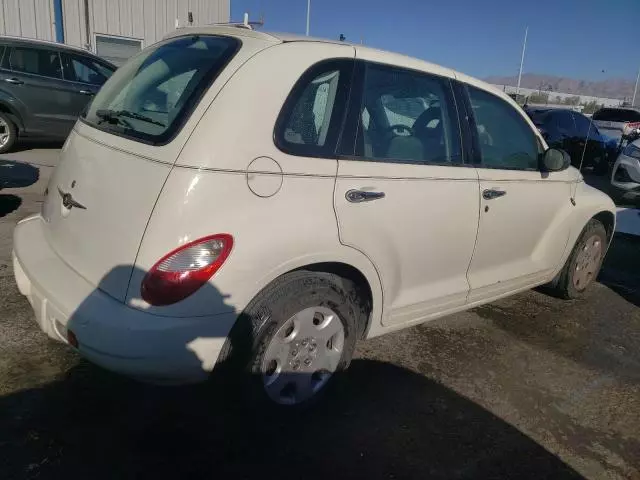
point(36, 61)
point(78, 68)
point(406, 116)
point(151, 96)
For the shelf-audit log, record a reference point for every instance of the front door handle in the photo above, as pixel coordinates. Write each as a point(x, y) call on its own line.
point(359, 196)
point(491, 193)
point(15, 81)
point(86, 92)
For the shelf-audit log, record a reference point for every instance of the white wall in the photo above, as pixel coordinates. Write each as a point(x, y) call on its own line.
point(147, 20)
point(607, 102)
point(27, 18)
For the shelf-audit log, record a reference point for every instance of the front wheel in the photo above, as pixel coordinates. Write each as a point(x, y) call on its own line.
point(583, 265)
point(601, 166)
point(8, 133)
point(299, 333)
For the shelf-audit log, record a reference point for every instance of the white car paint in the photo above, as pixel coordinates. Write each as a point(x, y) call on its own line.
point(427, 250)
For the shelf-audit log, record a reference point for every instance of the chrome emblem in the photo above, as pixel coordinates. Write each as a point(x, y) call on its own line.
point(68, 202)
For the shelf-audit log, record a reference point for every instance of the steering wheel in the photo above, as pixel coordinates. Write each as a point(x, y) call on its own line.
point(394, 128)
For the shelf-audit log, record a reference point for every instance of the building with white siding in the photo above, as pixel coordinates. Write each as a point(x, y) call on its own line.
point(114, 29)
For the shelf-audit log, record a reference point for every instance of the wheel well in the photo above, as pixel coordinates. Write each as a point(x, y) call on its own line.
point(608, 220)
point(14, 116)
point(363, 289)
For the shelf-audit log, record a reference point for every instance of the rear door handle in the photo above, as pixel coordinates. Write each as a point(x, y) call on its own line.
point(491, 193)
point(86, 92)
point(359, 196)
point(15, 81)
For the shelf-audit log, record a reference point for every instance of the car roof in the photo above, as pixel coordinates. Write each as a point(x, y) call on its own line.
point(630, 109)
point(33, 41)
point(362, 52)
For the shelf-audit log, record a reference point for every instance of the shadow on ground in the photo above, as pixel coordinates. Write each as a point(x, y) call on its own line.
point(621, 268)
point(26, 144)
point(9, 204)
point(17, 174)
point(379, 421)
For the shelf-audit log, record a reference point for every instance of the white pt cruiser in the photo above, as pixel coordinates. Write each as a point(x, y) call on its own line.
point(265, 201)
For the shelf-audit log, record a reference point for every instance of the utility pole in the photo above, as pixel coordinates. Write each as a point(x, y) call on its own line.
point(633, 102)
point(524, 46)
point(308, 15)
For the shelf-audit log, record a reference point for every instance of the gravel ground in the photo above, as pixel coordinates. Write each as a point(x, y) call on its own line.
point(527, 387)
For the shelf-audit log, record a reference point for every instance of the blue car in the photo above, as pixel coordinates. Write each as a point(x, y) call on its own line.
point(572, 131)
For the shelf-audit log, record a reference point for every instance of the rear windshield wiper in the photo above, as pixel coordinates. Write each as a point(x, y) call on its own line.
point(112, 116)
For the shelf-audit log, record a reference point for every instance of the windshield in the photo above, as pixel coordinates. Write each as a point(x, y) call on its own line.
point(151, 96)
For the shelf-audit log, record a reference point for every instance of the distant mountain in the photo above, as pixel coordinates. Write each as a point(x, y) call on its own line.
point(610, 88)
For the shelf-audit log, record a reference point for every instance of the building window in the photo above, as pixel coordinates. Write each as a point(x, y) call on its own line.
point(117, 50)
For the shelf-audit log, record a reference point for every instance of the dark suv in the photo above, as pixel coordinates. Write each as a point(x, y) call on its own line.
point(43, 88)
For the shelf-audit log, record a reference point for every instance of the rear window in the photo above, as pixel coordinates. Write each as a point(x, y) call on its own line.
point(617, 115)
point(151, 96)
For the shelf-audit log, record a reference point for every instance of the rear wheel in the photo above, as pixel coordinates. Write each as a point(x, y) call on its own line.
point(295, 337)
point(8, 133)
point(600, 166)
point(583, 265)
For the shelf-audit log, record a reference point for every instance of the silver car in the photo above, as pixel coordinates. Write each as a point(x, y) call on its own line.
point(618, 121)
point(625, 176)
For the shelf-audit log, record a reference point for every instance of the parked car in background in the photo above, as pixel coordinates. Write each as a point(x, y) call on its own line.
point(568, 130)
point(616, 122)
point(211, 218)
point(625, 175)
point(43, 88)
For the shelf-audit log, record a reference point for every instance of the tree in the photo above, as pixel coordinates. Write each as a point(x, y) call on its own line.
point(538, 98)
point(571, 101)
point(590, 107)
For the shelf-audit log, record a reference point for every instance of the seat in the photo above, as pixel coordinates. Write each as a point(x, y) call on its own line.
point(432, 137)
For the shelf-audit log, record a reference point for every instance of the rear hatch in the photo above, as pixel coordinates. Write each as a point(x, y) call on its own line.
point(115, 162)
point(612, 122)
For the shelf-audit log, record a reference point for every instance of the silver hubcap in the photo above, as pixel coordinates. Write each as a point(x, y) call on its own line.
point(4, 133)
point(587, 263)
point(302, 355)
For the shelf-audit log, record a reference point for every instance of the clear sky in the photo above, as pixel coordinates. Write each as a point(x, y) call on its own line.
point(570, 38)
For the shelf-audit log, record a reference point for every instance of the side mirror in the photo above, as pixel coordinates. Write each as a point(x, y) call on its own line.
point(555, 160)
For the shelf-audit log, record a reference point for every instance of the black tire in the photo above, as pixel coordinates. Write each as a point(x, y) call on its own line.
point(11, 130)
point(563, 285)
point(270, 309)
point(601, 167)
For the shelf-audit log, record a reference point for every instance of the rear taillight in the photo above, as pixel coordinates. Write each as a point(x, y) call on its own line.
point(183, 271)
point(630, 127)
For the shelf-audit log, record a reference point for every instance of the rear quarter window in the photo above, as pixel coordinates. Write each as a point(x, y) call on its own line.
point(152, 95)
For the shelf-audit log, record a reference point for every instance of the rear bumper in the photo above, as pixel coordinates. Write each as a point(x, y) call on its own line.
point(148, 347)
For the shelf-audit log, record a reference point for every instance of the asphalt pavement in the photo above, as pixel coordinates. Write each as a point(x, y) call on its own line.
point(526, 387)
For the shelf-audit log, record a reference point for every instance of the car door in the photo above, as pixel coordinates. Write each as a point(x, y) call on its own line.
point(85, 76)
point(403, 196)
point(522, 234)
point(594, 153)
point(568, 137)
point(36, 74)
